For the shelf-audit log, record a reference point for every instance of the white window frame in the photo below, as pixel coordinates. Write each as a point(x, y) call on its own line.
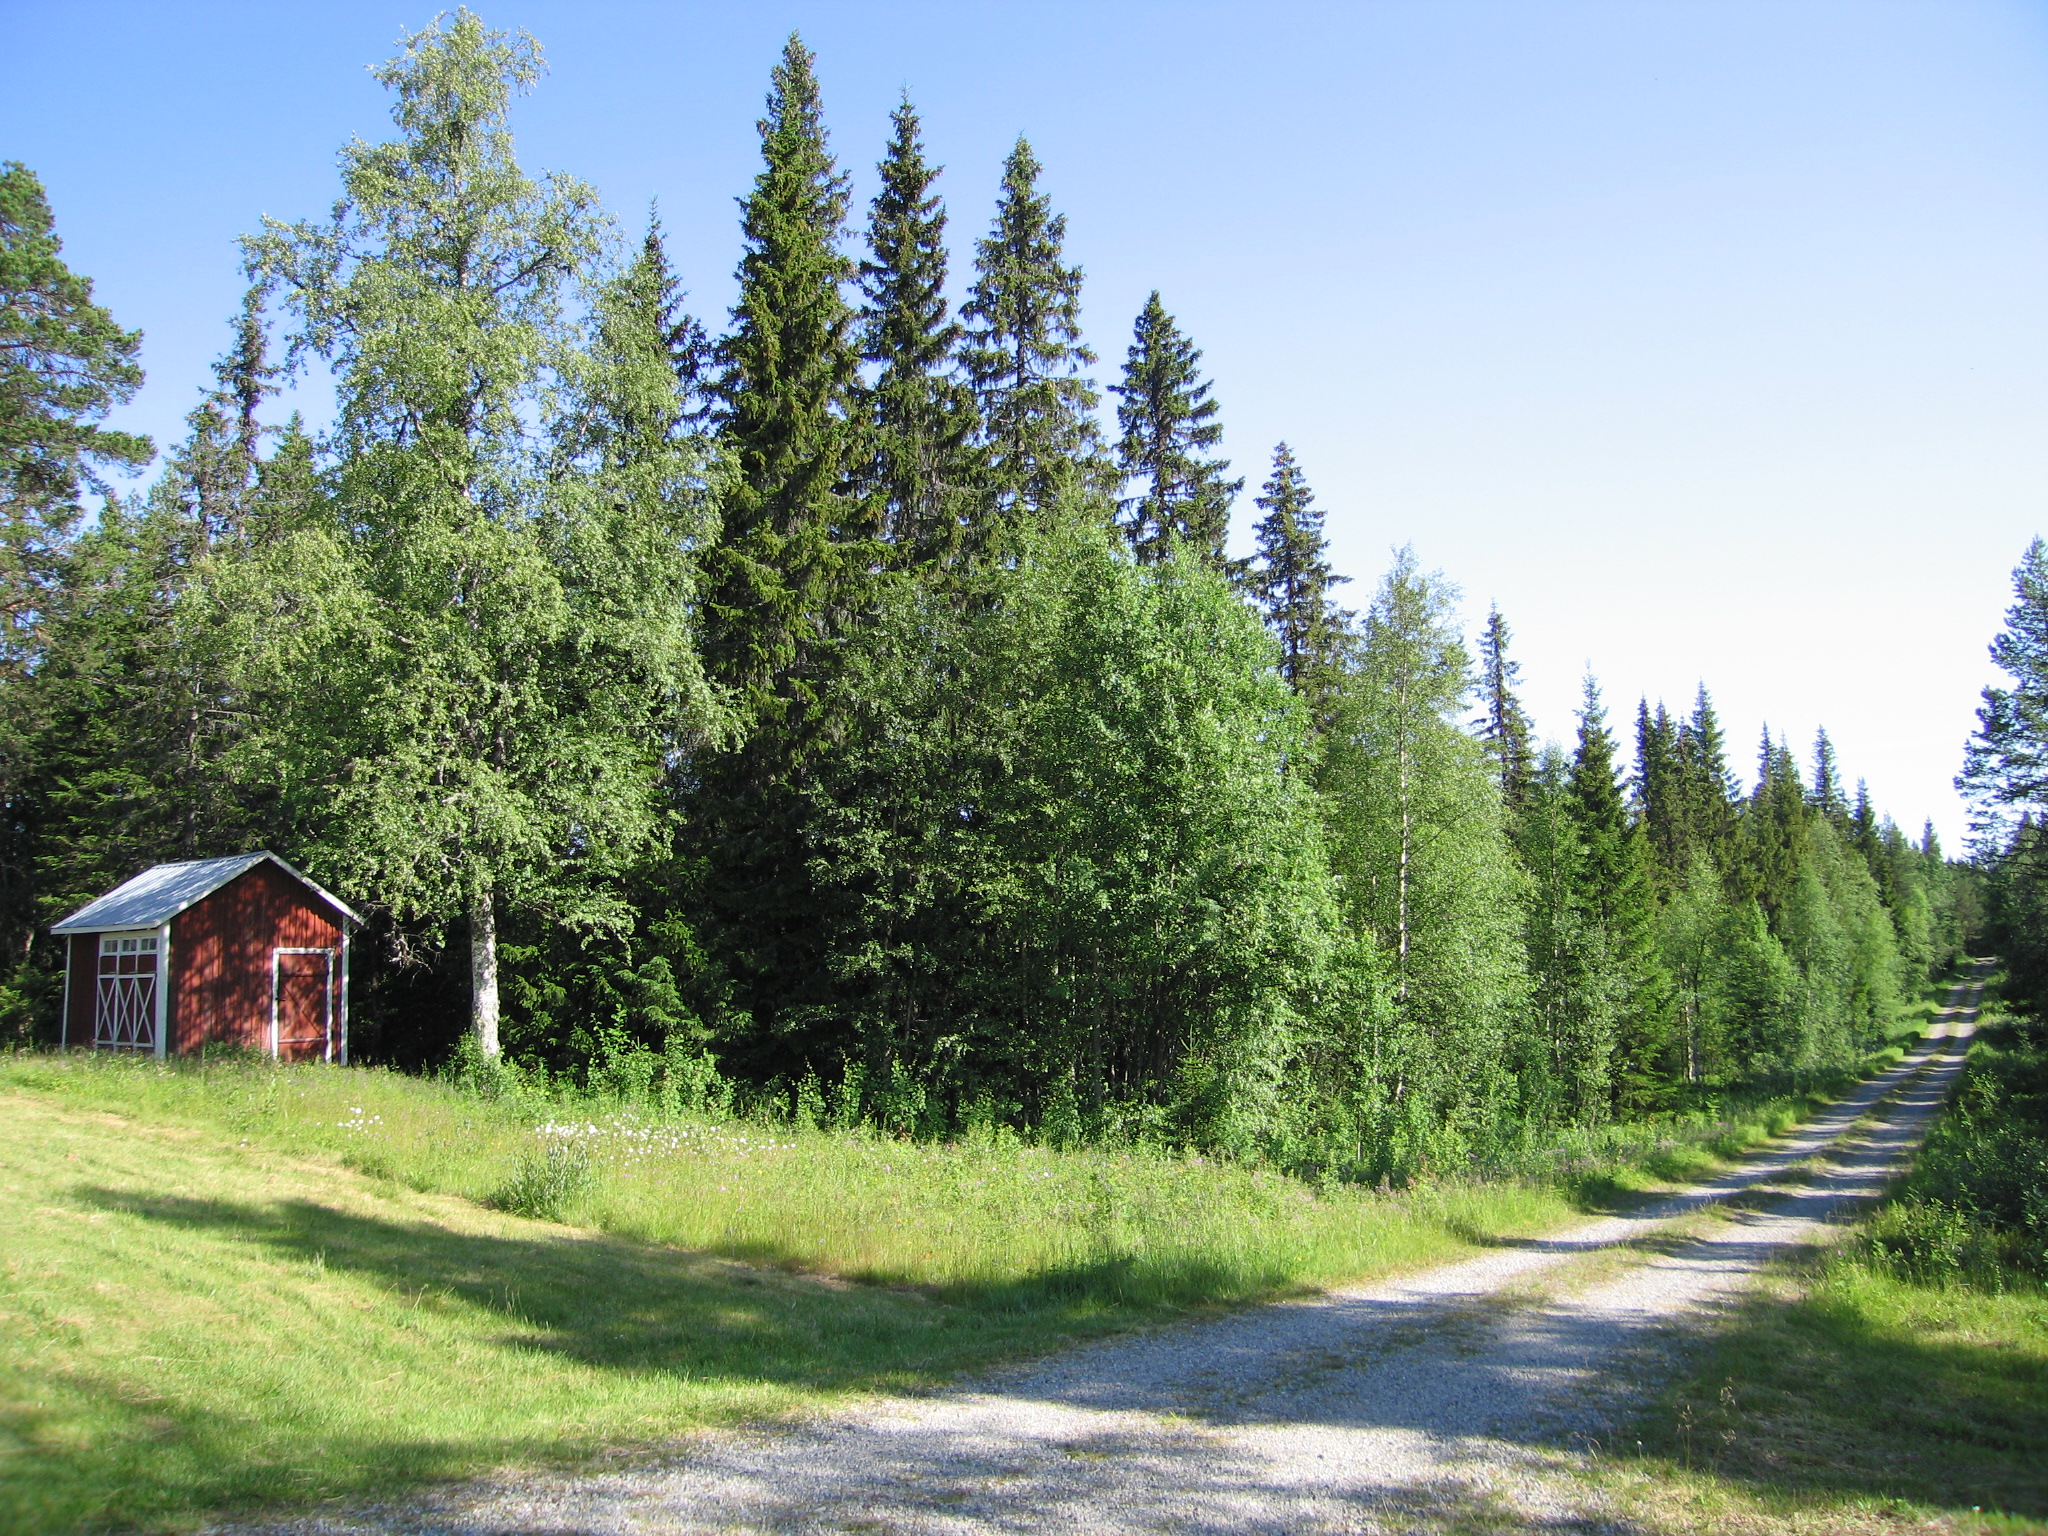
point(327, 996)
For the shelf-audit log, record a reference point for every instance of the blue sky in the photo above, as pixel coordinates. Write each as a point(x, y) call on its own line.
point(1709, 340)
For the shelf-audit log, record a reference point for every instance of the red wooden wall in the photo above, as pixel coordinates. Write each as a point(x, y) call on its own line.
point(220, 957)
point(83, 988)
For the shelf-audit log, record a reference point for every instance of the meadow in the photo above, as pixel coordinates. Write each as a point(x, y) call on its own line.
point(229, 1284)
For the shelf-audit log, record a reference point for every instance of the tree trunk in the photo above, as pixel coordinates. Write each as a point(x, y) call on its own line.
point(483, 975)
point(1407, 833)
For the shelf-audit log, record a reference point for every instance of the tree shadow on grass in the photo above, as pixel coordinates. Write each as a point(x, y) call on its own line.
point(615, 1304)
point(85, 1452)
point(681, 1340)
point(1813, 1397)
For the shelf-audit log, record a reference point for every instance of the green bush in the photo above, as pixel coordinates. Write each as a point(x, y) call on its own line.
point(1977, 1200)
point(1923, 1241)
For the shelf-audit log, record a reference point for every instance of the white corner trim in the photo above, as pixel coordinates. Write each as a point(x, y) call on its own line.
point(163, 988)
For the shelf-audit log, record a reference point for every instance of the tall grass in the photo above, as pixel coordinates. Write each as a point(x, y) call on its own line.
point(986, 1215)
point(227, 1283)
point(987, 1218)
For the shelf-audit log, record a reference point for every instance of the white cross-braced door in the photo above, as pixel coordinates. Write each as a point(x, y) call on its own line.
point(124, 1017)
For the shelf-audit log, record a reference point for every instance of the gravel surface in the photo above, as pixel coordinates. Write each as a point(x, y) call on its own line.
point(1450, 1399)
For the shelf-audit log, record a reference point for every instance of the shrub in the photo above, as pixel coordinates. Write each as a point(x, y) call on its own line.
point(1923, 1241)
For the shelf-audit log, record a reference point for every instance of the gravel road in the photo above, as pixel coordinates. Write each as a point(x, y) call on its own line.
point(1438, 1401)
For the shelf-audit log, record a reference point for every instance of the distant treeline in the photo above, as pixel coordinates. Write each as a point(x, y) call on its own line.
point(835, 711)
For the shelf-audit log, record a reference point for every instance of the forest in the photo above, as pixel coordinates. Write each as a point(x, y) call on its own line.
point(853, 714)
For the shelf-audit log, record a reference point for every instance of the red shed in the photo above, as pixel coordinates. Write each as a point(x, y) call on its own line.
point(242, 950)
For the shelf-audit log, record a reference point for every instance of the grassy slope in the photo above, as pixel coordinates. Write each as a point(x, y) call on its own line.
point(191, 1320)
point(243, 1285)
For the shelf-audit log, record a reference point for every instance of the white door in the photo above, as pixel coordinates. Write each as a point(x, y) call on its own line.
point(125, 1012)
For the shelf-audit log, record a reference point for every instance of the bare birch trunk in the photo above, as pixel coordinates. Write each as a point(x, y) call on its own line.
point(483, 975)
point(1401, 896)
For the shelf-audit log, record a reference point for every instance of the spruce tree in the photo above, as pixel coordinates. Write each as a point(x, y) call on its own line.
point(1867, 835)
point(1617, 893)
point(245, 378)
point(219, 463)
point(2005, 769)
point(1776, 842)
point(781, 578)
point(787, 376)
point(1290, 577)
point(1826, 792)
point(1169, 425)
point(64, 364)
point(1505, 726)
point(1659, 792)
point(1565, 1059)
point(1705, 793)
point(139, 691)
point(684, 341)
point(922, 416)
point(1023, 352)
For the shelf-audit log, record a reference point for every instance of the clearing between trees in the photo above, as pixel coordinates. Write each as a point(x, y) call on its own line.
point(202, 1310)
point(1466, 1397)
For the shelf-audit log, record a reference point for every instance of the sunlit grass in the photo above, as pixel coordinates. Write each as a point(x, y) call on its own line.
point(187, 1326)
point(227, 1283)
point(1842, 1398)
point(980, 1219)
point(203, 1308)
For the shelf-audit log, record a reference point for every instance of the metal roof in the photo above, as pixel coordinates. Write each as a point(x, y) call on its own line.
point(157, 895)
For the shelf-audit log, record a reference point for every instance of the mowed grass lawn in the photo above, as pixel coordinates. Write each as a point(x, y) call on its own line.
point(203, 1307)
point(233, 1284)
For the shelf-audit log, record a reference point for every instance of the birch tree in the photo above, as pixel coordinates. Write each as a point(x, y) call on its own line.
point(475, 666)
point(1421, 852)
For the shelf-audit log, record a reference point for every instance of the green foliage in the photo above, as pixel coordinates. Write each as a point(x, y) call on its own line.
point(1503, 724)
point(1577, 993)
point(1976, 1201)
point(548, 1180)
point(1425, 868)
point(784, 727)
point(1290, 578)
point(1054, 838)
point(2006, 769)
point(1023, 352)
point(785, 392)
point(922, 416)
point(500, 607)
point(64, 364)
point(1169, 424)
point(1616, 894)
point(2005, 775)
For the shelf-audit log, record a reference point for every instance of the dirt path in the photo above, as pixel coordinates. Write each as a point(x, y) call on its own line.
point(1431, 1402)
